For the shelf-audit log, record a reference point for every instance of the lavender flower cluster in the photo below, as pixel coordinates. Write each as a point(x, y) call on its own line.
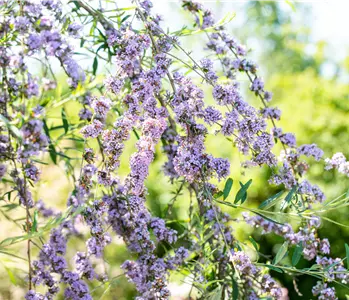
point(166, 111)
point(312, 248)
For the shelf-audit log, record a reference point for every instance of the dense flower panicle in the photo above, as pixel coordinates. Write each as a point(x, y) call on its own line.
point(92, 130)
point(313, 247)
point(161, 232)
point(152, 130)
point(101, 107)
point(273, 113)
point(238, 120)
point(311, 150)
point(51, 260)
point(130, 46)
point(324, 292)
point(32, 295)
point(212, 115)
point(288, 139)
point(24, 195)
point(85, 114)
point(312, 190)
point(257, 85)
point(173, 113)
point(248, 272)
point(74, 30)
point(34, 139)
point(113, 84)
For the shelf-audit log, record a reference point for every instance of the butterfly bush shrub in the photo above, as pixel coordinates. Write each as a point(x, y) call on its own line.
point(156, 93)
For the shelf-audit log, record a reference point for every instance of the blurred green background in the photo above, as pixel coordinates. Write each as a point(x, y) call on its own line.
point(310, 86)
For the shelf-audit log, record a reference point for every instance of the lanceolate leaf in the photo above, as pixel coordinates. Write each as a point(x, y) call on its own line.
point(281, 253)
point(235, 290)
point(288, 198)
point(271, 201)
point(254, 243)
point(64, 120)
point(347, 254)
point(242, 193)
point(271, 267)
point(227, 188)
point(297, 254)
point(95, 66)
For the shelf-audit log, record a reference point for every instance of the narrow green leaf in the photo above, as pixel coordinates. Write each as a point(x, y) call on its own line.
point(216, 294)
point(201, 18)
point(255, 212)
point(94, 65)
point(47, 227)
point(288, 198)
point(271, 267)
point(11, 276)
point(235, 290)
point(281, 253)
point(347, 254)
point(271, 200)
point(64, 120)
point(218, 195)
point(242, 193)
point(267, 218)
point(35, 222)
point(10, 206)
point(254, 243)
point(125, 18)
point(13, 255)
point(77, 4)
point(227, 188)
point(53, 153)
point(14, 130)
point(297, 253)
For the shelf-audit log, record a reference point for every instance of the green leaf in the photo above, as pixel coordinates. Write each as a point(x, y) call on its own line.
point(227, 188)
point(270, 201)
point(216, 294)
point(242, 193)
point(218, 195)
point(254, 243)
point(77, 4)
point(271, 267)
point(297, 254)
point(53, 153)
point(347, 254)
point(34, 227)
point(288, 198)
point(201, 18)
point(51, 147)
point(235, 290)
point(267, 218)
point(64, 120)
point(281, 253)
point(125, 18)
point(13, 129)
point(12, 255)
point(94, 65)
point(255, 212)
point(11, 276)
point(46, 228)
point(10, 206)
